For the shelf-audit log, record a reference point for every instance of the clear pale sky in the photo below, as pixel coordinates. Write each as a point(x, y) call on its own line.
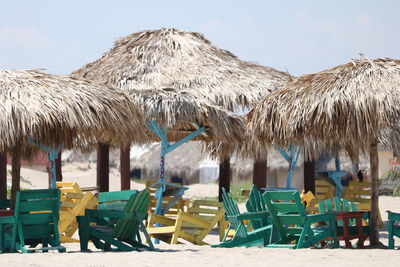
point(301, 36)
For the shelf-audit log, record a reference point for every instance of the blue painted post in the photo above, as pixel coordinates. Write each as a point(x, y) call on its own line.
point(292, 159)
point(52, 156)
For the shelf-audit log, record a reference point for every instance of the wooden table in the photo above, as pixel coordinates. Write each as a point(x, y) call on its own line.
point(5, 213)
point(345, 217)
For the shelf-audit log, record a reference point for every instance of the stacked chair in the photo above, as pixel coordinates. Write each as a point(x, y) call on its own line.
point(73, 204)
point(115, 225)
point(295, 228)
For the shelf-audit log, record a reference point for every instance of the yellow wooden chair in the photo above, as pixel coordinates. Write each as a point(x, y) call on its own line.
point(311, 203)
point(360, 193)
point(73, 204)
point(323, 190)
point(192, 226)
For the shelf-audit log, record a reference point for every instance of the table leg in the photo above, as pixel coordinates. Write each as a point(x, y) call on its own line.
point(361, 236)
point(346, 232)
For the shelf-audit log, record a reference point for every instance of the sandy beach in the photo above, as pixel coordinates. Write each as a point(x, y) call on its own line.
point(191, 255)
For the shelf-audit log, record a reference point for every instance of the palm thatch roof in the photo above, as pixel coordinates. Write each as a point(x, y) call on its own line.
point(343, 107)
point(55, 109)
point(183, 61)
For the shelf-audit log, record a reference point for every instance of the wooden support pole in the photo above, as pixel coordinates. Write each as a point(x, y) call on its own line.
point(309, 175)
point(15, 173)
point(3, 175)
point(59, 176)
point(103, 176)
point(224, 176)
point(374, 165)
point(260, 173)
point(125, 167)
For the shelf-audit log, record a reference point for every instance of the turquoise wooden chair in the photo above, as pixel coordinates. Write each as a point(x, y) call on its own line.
point(393, 227)
point(116, 229)
point(295, 228)
point(35, 222)
point(243, 237)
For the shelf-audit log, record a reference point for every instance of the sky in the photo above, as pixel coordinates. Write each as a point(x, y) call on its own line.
point(298, 36)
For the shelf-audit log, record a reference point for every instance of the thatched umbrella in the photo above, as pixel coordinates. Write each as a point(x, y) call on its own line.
point(350, 107)
point(170, 58)
point(186, 62)
point(51, 110)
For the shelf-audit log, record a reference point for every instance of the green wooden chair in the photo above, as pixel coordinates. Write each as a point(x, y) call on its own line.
point(342, 204)
point(243, 237)
point(117, 228)
point(393, 227)
point(35, 222)
point(295, 228)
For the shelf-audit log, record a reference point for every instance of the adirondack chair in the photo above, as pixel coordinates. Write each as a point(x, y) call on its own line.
point(180, 205)
point(34, 222)
point(294, 227)
point(117, 228)
point(73, 204)
point(393, 227)
point(243, 237)
point(192, 226)
point(360, 194)
point(343, 205)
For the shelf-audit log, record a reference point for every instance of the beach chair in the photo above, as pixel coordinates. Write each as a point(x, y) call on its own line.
point(116, 229)
point(353, 231)
point(244, 237)
point(34, 222)
point(393, 227)
point(73, 204)
point(192, 226)
point(324, 190)
point(360, 194)
point(180, 205)
point(295, 228)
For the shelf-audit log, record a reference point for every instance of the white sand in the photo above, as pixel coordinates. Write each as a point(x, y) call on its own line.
point(191, 255)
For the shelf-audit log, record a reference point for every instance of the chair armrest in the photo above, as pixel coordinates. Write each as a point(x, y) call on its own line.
point(248, 216)
point(320, 217)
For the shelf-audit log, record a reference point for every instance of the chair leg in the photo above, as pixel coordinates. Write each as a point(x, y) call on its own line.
point(390, 237)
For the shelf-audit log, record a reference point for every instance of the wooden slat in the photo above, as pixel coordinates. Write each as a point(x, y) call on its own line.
point(38, 205)
point(286, 207)
point(294, 219)
point(116, 196)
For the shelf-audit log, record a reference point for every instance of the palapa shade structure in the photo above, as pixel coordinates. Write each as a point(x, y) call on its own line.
point(350, 106)
point(55, 109)
point(52, 110)
point(185, 62)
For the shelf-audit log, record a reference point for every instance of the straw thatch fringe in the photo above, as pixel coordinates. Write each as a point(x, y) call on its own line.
point(357, 101)
point(169, 58)
point(183, 113)
point(55, 109)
